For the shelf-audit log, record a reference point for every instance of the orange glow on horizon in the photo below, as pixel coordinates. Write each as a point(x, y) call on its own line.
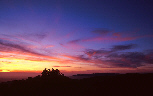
point(5, 71)
point(18, 62)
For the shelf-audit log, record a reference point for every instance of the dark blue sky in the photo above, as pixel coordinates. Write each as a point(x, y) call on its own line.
point(77, 35)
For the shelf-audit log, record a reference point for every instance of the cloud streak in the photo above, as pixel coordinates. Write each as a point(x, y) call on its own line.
point(101, 31)
point(61, 66)
point(106, 35)
point(123, 47)
point(114, 58)
point(10, 47)
point(91, 52)
point(7, 45)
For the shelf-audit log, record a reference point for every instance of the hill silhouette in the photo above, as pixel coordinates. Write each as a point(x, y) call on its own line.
point(55, 83)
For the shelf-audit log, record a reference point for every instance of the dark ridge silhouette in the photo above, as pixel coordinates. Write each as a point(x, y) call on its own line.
point(97, 74)
point(54, 83)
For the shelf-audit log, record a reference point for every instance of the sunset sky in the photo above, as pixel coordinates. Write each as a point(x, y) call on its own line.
point(76, 36)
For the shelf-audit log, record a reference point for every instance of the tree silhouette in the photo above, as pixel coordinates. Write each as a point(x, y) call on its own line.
point(54, 73)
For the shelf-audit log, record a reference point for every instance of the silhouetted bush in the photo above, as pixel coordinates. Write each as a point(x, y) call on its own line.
point(53, 73)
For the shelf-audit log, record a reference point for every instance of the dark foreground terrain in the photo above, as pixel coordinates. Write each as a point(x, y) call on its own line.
point(118, 85)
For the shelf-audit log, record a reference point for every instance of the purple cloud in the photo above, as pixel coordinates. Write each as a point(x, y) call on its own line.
point(74, 41)
point(123, 47)
point(102, 31)
point(91, 52)
point(113, 58)
point(7, 46)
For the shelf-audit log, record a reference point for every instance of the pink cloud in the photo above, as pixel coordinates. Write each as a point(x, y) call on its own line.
point(48, 46)
point(118, 34)
point(72, 46)
point(32, 46)
point(117, 38)
point(70, 34)
point(61, 66)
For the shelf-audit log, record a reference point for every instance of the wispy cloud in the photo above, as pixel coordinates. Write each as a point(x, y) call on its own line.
point(102, 31)
point(74, 41)
point(127, 59)
point(114, 58)
point(91, 52)
point(112, 37)
point(5, 45)
point(61, 66)
point(49, 46)
point(72, 45)
point(35, 38)
point(123, 47)
point(117, 34)
point(11, 47)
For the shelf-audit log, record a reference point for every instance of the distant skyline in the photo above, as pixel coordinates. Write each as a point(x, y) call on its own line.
point(76, 36)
